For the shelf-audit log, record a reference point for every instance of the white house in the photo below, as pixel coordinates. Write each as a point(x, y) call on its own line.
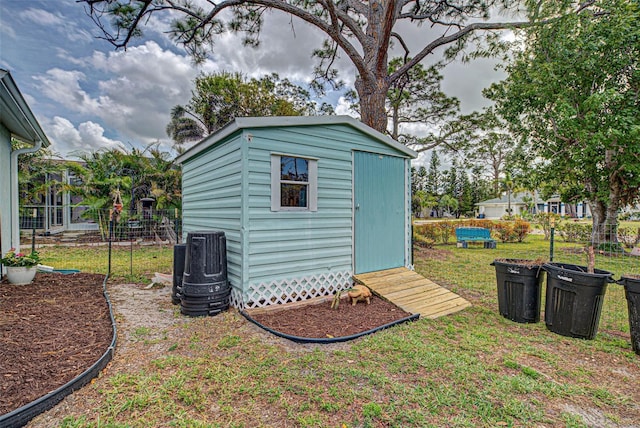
point(16, 122)
point(521, 202)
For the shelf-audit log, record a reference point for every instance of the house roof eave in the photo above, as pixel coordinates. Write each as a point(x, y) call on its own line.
point(16, 115)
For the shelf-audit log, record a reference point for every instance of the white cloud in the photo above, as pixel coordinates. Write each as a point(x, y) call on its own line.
point(146, 83)
point(7, 28)
point(141, 86)
point(286, 45)
point(64, 87)
point(342, 108)
point(68, 140)
point(42, 17)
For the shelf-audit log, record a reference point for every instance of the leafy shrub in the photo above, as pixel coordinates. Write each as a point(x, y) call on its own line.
point(440, 232)
point(610, 247)
point(446, 229)
point(544, 221)
point(487, 224)
point(422, 240)
point(575, 232)
point(628, 237)
point(505, 232)
point(521, 228)
point(427, 231)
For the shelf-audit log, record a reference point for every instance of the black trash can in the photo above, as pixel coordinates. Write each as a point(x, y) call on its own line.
point(205, 289)
point(179, 253)
point(632, 292)
point(574, 299)
point(519, 289)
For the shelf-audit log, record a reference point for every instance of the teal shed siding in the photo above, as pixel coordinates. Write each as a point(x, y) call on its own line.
point(280, 256)
point(379, 212)
point(212, 199)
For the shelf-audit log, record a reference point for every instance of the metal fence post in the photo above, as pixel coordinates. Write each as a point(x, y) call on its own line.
point(552, 223)
point(111, 220)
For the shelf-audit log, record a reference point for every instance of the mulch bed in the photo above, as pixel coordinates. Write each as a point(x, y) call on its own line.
point(320, 321)
point(57, 327)
point(50, 332)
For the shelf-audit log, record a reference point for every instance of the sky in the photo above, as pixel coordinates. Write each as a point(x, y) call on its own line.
point(88, 96)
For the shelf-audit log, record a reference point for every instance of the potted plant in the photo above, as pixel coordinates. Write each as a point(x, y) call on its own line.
point(21, 268)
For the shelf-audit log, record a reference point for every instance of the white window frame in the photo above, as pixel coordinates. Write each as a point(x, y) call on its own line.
point(276, 182)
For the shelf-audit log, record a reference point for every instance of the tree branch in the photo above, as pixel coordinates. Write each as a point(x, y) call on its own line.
point(444, 40)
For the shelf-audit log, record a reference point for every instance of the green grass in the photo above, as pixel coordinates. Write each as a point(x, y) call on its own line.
point(470, 269)
point(411, 375)
point(470, 369)
point(131, 263)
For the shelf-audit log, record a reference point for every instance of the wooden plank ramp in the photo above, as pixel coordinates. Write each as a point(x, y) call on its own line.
point(413, 292)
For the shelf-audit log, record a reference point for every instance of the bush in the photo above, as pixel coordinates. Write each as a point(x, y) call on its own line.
point(422, 240)
point(521, 228)
point(575, 232)
point(446, 229)
point(487, 224)
point(611, 247)
point(427, 231)
point(505, 232)
point(628, 237)
point(440, 232)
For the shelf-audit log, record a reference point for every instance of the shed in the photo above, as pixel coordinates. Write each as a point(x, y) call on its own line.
point(305, 203)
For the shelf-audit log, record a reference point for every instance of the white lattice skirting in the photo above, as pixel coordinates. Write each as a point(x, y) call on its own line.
point(291, 289)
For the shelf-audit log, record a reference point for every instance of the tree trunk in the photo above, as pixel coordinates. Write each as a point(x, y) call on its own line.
point(598, 215)
point(606, 227)
point(373, 95)
point(611, 219)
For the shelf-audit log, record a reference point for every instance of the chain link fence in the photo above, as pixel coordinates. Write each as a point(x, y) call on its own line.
point(131, 245)
point(136, 245)
point(568, 242)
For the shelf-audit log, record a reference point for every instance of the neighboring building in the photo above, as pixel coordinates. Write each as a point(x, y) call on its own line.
point(16, 121)
point(57, 210)
point(565, 209)
point(305, 202)
point(522, 202)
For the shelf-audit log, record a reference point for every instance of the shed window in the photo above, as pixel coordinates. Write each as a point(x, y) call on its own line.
point(294, 183)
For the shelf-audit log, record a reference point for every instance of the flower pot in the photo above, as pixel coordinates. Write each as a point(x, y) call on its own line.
point(21, 275)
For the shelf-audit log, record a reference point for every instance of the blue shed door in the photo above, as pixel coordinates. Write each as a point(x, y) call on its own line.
point(379, 189)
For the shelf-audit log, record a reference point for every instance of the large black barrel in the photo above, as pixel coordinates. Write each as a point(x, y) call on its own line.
point(205, 287)
point(632, 292)
point(574, 299)
point(519, 289)
point(179, 253)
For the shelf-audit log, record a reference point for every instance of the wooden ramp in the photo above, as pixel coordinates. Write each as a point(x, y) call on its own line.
point(412, 292)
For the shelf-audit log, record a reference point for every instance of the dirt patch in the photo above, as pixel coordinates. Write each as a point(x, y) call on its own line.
point(321, 321)
point(432, 253)
point(50, 331)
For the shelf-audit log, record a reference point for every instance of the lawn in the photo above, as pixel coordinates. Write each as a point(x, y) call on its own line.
point(473, 368)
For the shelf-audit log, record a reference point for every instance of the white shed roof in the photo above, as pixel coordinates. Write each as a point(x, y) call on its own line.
point(281, 121)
